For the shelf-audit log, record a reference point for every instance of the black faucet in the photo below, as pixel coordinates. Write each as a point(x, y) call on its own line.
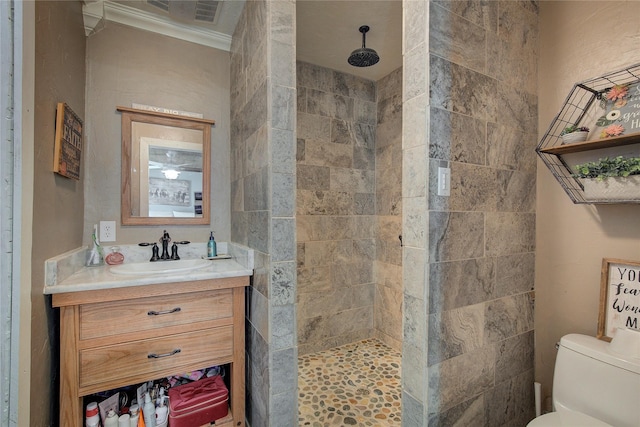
point(165, 239)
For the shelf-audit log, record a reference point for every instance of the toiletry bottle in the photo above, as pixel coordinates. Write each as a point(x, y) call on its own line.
point(133, 416)
point(149, 411)
point(111, 420)
point(160, 397)
point(92, 415)
point(124, 420)
point(162, 413)
point(212, 251)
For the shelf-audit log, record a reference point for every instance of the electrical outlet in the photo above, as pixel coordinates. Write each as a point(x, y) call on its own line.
point(107, 231)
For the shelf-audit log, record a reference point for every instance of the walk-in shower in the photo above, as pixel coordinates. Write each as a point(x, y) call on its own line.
point(349, 269)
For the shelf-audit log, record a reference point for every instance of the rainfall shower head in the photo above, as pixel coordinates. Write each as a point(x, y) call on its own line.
point(363, 57)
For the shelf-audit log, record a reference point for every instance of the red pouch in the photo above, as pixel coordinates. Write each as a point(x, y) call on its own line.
point(197, 403)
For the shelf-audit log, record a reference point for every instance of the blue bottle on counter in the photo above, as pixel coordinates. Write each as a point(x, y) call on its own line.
point(212, 250)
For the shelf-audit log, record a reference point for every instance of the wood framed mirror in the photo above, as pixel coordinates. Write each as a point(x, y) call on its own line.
point(166, 168)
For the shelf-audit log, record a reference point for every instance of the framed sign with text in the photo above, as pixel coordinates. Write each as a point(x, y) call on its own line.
point(619, 297)
point(68, 143)
point(621, 105)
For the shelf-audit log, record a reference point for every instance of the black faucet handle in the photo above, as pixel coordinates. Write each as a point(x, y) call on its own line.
point(146, 244)
point(174, 252)
point(154, 251)
point(184, 242)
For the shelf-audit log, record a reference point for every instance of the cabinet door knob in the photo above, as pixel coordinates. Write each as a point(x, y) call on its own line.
point(158, 313)
point(158, 356)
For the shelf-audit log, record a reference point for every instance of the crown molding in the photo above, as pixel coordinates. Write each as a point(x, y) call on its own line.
point(96, 12)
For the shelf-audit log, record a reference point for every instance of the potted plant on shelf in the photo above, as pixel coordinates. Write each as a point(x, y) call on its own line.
point(574, 133)
point(616, 178)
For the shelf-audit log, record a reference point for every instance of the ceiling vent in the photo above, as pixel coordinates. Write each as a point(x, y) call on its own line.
point(189, 10)
point(160, 4)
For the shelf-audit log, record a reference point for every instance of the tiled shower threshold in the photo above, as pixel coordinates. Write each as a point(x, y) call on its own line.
point(355, 384)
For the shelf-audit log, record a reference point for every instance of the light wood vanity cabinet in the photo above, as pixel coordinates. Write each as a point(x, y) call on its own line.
point(111, 338)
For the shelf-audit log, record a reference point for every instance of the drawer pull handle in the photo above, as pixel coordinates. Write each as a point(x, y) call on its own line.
point(158, 313)
point(158, 356)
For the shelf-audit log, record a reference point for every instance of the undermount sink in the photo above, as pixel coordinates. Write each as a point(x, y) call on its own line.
point(159, 267)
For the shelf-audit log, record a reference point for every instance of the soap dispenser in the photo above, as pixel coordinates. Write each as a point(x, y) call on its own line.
point(212, 250)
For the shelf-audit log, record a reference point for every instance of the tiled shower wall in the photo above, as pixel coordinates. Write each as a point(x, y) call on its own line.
point(348, 208)
point(477, 94)
point(263, 199)
point(335, 207)
point(388, 219)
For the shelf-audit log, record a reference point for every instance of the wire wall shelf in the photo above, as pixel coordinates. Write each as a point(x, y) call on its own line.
point(582, 107)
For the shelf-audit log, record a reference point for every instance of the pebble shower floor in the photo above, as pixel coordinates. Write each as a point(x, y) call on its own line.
point(356, 384)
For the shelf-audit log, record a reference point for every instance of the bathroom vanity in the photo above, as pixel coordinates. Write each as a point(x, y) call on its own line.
point(122, 330)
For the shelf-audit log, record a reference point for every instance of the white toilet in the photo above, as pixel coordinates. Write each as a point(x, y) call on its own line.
point(596, 383)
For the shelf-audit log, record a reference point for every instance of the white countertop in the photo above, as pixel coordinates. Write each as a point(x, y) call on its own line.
point(66, 273)
point(93, 278)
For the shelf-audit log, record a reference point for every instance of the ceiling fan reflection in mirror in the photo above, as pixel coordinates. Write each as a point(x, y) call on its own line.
point(173, 162)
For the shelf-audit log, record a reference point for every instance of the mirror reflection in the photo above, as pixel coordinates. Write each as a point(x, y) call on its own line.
point(173, 178)
point(165, 168)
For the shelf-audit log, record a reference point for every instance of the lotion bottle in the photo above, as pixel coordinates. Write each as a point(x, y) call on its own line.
point(124, 420)
point(149, 411)
point(133, 418)
point(111, 420)
point(162, 413)
point(212, 250)
point(92, 415)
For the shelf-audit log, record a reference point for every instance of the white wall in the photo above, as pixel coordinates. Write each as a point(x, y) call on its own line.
point(578, 41)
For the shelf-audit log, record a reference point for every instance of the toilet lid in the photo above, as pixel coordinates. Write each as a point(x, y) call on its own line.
point(566, 418)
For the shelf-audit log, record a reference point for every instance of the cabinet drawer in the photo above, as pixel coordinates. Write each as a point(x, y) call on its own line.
point(142, 314)
point(122, 362)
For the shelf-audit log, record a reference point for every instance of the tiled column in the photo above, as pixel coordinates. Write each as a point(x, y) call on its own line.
point(282, 279)
point(263, 197)
point(415, 127)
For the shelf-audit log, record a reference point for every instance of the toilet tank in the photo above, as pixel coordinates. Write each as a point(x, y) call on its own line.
point(591, 378)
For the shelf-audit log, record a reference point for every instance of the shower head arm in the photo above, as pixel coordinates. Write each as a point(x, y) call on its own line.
point(363, 29)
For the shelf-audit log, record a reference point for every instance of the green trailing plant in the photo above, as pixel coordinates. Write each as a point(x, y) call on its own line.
point(604, 168)
point(574, 128)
